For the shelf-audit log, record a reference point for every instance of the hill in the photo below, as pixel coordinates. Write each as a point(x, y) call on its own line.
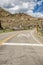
point(16, 21)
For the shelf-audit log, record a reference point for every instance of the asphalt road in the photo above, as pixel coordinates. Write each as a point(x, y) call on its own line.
point(21, 55)
point(18, 37)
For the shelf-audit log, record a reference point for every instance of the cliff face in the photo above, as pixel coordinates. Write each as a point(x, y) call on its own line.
point(10, 21)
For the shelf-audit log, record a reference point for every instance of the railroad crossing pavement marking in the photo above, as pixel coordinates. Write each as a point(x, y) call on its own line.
point(7, 38)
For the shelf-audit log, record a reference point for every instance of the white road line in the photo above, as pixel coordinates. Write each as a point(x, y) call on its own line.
point(34, 37)
point(23, 34)
point(23, 44)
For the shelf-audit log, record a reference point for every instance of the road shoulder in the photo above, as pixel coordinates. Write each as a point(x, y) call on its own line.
point(37, 37)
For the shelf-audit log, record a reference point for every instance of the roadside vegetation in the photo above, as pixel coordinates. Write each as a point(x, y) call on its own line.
point(40, 32)
point(7, 30)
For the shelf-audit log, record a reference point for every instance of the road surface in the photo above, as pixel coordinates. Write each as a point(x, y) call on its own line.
point(21, 55)
point(18, 37)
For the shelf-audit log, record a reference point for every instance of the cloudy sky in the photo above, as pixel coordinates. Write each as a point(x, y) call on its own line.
point(31, 7)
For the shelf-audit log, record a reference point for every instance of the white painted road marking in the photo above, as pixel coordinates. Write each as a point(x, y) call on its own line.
point(23, 44)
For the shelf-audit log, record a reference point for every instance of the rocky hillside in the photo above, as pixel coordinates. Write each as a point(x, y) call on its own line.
point(14, 21)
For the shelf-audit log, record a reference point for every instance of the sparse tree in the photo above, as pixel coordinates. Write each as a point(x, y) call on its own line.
point(0, 25)
point(37, 26)
point(41, 25)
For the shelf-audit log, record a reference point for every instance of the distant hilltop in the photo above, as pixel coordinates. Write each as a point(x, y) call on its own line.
point(18, 20)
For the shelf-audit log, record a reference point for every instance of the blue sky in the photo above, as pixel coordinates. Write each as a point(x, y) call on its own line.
point(30, 7)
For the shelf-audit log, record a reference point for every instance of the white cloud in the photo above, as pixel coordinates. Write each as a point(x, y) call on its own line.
point(37, 14)
point(16, 6)
point(25, 4)
point(24, 7)
point(14, 9)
